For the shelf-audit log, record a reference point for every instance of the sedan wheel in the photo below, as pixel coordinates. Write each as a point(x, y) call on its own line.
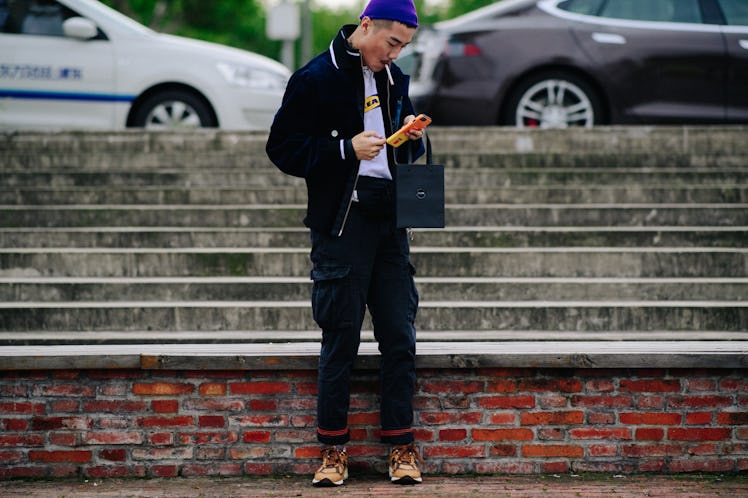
point(554, 101)
point(173, 109)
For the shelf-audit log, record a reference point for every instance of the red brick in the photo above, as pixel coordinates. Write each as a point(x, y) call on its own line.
point(114, 406)
point(651, 450)
point(501, 386)
point(552, 418)
point(651, 402)
point(266, 420)
point(256, 437)
point(732, 418)
point(554, 467)
point(22, 408)
point(649, 434)
point(505, 402)
point(211, 421)
point(551, 385)
point(462, 387)
point(164, 470)
point(600, 386)
point(461, 451)
point(51, 423)
point(67, 390)
point(161, 439)
point(701, 385)
point(698, 434)
point(165, 405)
point(699, 418)
point(213, 389)
point(14, 424)
point(502, 434)
point(22, 472)
point(738, 384)
point(197, 438)
point(64, 438)
point(263, 405)
point(11, 457)
point(259, 469)
point(603, 450)
point(650, 418)
point(70, 456)
point(114, 471)
point(112, 455)
point(161, 389)
point(64, 405)
point(602, 401)
point(678, 402)
point(502, 418)
point(601, 418)
point(21, 440)
point(182, 421)
point(451, 418)
point(260, 387)
point(649, 386)
point(620, 433)
point(214, 405)
point(711, 465)
point(113, 438)
point(554, 451)
point(213, 469)
point(551, 434)
point(502, 450)
point(452, 434)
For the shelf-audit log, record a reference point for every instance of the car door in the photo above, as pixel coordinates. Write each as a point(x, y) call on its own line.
point(48, 79)
point(736, 37)
point(663, 62)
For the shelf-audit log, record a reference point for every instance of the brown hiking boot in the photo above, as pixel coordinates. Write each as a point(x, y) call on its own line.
point(334, 468)
point(404, 462)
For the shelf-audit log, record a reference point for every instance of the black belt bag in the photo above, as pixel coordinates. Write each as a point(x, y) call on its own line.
point(419, 193)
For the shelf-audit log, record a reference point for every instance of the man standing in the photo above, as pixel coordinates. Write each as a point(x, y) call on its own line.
point(331, 131)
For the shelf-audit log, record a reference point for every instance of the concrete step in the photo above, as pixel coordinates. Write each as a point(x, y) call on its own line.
point(429, 261)
point(290, 215)
point(40, 196)
point(454, 177)
point(281, 338)
point(728, 316)
point(430, 288)
point(298, 237)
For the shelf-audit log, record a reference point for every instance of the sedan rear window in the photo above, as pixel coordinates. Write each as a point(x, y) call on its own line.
point(686, 11)
point(736, 11)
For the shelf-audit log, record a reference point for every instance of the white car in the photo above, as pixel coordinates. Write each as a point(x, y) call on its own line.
point(80, 64)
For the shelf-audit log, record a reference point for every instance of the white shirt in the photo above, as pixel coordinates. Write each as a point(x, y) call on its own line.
point(373, 121)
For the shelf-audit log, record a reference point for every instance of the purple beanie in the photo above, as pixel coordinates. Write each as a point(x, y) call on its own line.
point(395, 10)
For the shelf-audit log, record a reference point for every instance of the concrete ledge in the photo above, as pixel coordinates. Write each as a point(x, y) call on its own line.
point(304, 356)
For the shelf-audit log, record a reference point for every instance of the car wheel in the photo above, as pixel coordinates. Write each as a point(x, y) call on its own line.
point(554, 100)
point(173, 109)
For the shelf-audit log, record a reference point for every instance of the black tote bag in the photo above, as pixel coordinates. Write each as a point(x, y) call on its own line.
point(419, 193)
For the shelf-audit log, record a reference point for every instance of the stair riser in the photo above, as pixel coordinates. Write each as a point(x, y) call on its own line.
point(455, 216)
point(297, 195)
point(559, 319)
point(519, 264)
point(511, 291)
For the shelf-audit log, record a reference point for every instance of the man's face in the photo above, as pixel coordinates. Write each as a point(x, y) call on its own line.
point(382, 42)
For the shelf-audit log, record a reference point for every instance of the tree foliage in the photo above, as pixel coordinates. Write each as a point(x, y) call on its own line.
point(241, 23)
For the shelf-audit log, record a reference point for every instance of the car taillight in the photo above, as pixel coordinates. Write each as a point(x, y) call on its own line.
point(462, 49)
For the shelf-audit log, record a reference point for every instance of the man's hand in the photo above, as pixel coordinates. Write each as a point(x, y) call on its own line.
point(367, 145)
point(412, 134)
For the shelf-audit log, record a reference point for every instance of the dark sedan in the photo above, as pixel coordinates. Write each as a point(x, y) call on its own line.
point(559, 63)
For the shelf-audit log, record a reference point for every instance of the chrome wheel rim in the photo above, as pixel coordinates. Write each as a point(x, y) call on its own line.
point(554, 104)
point(172, 114)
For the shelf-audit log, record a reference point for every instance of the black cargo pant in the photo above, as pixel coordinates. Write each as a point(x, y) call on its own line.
point(369, 265)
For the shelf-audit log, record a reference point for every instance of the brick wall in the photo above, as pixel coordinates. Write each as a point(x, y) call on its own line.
point(163, 423)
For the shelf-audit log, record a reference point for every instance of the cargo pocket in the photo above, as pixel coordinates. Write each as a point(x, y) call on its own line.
point(332, 297)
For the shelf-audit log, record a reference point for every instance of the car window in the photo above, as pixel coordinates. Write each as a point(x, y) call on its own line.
point(33, 17)
point(586, 7)
point(653, 10)
point(736, 11)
